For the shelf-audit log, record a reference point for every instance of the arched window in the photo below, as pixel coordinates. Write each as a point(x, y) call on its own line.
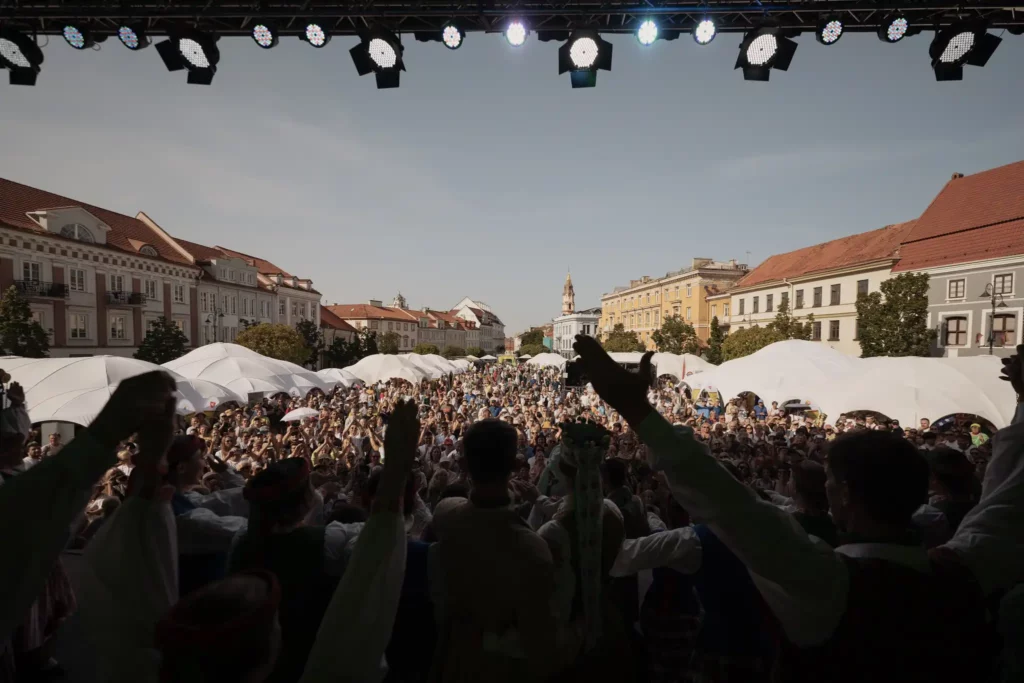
point(149, 250)
point(76, 231)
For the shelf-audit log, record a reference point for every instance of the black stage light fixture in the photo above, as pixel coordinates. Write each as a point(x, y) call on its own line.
point(966, 42)
point(77, 35)
point(452, 35)
point(894, 28)
point(316, 33)
point(264, 34)
point(379, 52)
point(20, 55)
point(193, 50)
point(829, 30)
point(582, 55)
point(763, 49)
point(133, 36)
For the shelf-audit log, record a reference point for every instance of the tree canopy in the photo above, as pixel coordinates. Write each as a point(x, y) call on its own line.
point(534, 336)
point(748, 340)
point(677, 336)
point(713, 354)
point(342, 353)
point(424, 349)
point(533, 350)
point(474, 351)
point(894, 322)
point(275, 340)
point(163, 342)
point(20, 335)
point(453, 352)
point(389, 342)
point(620, 340)
point(313, 337)
point(788, 326)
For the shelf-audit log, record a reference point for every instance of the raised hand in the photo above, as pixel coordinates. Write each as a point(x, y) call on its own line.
point(144, 400)
point(400, 454)
point(625, 391)
point(1013, 372)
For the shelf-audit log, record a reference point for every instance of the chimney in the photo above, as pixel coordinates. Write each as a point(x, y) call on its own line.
point(957, 176)
point(376, 302)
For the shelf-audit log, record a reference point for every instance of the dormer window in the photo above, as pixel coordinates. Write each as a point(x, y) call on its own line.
point(149, 250)
point(77, 231)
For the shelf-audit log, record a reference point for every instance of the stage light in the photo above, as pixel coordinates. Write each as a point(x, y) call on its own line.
point(20, 55)
point(315, 34)
point(77, 36)
point(962, 43)
point(582, 55)
point(133, 36)
point(516, 33)
point(264, 34)
point(379, 52)
point(762, 50)
point(830, 30)
point(704, 32)
point(452, 37)
point(193, 50)
point(893, 28)
point(647, 33)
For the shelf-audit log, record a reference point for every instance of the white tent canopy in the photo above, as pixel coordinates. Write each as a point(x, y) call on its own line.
point(244, 371)
point(547, 360)
point(433, 365)
point(76, 389)
point(488, 357)
point(674, 364)
point(338, 377)
point(463, 364)
point(382, 367)
point(525, 356)
point(214, 395)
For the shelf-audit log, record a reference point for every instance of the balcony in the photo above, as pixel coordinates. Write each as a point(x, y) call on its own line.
point(126, 299)
point(36, 289)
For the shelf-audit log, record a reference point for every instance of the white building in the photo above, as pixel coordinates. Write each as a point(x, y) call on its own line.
point(295, 297)
point(492, 330)
point(566, 327)
point(824, 280)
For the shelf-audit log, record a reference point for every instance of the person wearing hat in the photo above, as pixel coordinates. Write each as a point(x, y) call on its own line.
point(978, 438)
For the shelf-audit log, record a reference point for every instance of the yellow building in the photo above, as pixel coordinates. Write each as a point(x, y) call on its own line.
point(645, 303)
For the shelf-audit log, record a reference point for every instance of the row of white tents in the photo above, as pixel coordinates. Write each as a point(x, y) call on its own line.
point(678, 366)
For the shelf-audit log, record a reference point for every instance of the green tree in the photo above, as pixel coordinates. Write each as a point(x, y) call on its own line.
point(424, 349)
point(713, 354)
point(499, 348)
point(313, 338)
point(894, 322)
point(163, 342)
point(453, 352)
point(533, 350)
point(343, 353)
point(746, 341)
point(534, 336)
point(475, 351)
point(389, 342)
point(677, 336)
point(367, 343)
point(275, 340)
point(788, 326)
point(620, 340)
point(20, 335)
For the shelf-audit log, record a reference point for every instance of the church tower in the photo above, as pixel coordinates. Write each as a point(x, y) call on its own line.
point(399, 302)
point(568, 296)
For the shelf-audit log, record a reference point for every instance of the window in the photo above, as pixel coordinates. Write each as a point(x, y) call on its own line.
point(834, 296)
point(742, 302)
point(657, 297)
point(862, 288)
point(390, 326)
point(756, 306)
point(116, 283)
point(37, 316)
point(1004, 330)
point(833, 330)
point(689, 291)
point(1003, 284)
point(77, 232)
point(817, 297)
point(150, 324)
point(31, 272)
point(148, 250)
point(714, 310)
point(204, 302)
point(956, 289)
point(234, 304)
point(725, 309)
point(180, 324)
point(687, 312)
point(799, 298)
point(295, 309)
point(77, 279)
point(151, 289)
point(816, 331)
point(405, 340)
point(648, 297)
point(956, 331)
point(657, 319)
point(280, 308)
point(647, 319)
point(117, 327)
point(677, 292)
point(78, 326)
point(179, 294)
point(783, 299)
point(769, 303)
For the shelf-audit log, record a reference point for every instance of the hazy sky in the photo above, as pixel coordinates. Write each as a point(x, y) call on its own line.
point(486, 175)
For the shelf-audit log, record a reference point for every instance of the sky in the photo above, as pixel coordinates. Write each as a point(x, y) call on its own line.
point(486, 175)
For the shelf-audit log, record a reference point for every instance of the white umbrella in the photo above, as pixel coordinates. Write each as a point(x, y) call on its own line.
point(488, 357)
point(213, 395)
point(526, 356)
point(76, 389)
point(338, 377)
point(383, 367)
point(239, 369)
point(299, 414)
point(471, 358)
point(304, 379)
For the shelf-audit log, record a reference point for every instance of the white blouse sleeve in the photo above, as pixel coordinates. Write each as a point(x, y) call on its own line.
point(339, 542)
point(560, 544)
point(678, 549)
point(202, 531)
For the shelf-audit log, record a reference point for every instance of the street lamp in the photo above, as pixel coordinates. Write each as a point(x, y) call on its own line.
point(997, 302)
point(214, 320)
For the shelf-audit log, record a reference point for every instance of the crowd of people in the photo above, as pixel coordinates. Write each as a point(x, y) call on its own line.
point(500, 525)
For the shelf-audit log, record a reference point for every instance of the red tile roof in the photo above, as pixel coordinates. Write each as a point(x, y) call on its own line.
point(264, 266)
point(16, 200)
point(974, 201)
point(329, 319)
point(368, 312)
point(994, 241)
point(841, 253)
point(198, 251)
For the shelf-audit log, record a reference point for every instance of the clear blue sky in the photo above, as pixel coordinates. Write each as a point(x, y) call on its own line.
point(486, 175)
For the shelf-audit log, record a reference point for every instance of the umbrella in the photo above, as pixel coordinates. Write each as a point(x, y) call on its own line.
point(213, 396)
point(472, 358)
point(488, 357)
point(383, 367)
point(240, 369)
point(525, 356)
point(338, 377)
point(76, 389)
point(299, 414)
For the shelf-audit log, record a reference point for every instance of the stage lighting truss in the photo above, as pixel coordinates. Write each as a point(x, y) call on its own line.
point(516, 33)
point(264, 34)
point(133, 36)
point(379, 52)
point(582, 55)
point(762, 50)
point(77, 36)
point(20, 55)
point(830, 29)
point(647, 33)
point(193, 50)
point(893, 28)
point(966, 42)
point(704, 32)
point(316, 34)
